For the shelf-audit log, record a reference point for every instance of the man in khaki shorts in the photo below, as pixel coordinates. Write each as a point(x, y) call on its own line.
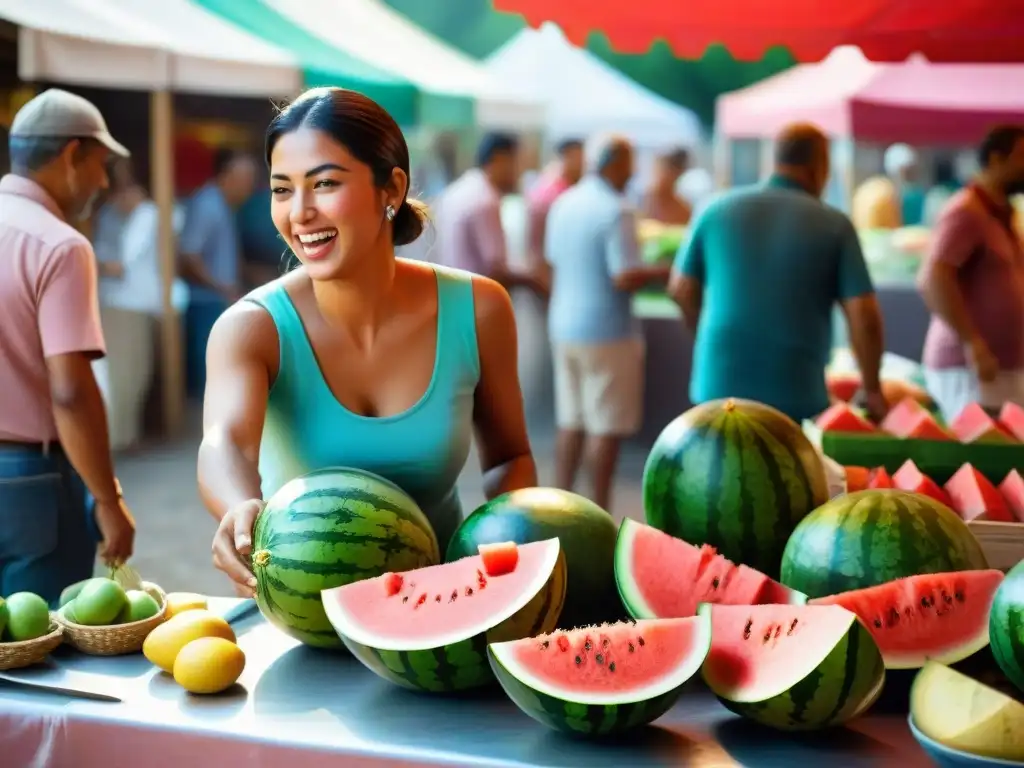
point(591, 245)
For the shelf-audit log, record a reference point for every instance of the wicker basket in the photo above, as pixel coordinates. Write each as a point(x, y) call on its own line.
point(115, 639)
point(28, 652)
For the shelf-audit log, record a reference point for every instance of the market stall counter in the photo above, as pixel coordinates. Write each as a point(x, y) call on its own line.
point(298, 707)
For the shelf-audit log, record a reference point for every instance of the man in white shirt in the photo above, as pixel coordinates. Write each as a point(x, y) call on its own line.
point(131, 304)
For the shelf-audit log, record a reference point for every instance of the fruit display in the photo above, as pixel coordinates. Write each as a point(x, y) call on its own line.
point(1011, 419)
point(23, 616)
point(973, 497)
point(330, 528)
point(974, 425)
point(845, 385)
point(936, 616)
point(736, 475)
point(840, 417)
point(964, 714)
point(871, 537)
point(909, 419)
point(585, 531)
point(428, 629)
point(1012, 491)
point(644, 556)
point(863, 479)
point(1006, 626)
point(603, 679)
point(792, 667)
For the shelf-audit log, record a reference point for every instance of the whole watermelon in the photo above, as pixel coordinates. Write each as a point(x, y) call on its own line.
point(330, 528)
point(737, 475)
point(585, 531)
point(1006, 626)
point(870, 537)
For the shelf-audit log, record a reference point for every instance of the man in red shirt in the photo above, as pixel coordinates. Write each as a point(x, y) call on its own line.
point(973, 282)
point(564, 173)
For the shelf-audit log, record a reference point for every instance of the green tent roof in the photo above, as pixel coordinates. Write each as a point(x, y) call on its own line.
point(325, 64)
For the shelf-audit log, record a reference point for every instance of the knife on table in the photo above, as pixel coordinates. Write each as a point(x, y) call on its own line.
point(75, 693)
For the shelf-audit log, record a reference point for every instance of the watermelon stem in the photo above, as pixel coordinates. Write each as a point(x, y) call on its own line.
point(261, 559)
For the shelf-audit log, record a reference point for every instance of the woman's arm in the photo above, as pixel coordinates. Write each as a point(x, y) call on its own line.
point(505, 456)
point(240, 355)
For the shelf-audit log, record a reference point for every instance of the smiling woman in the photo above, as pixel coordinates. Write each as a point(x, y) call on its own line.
point(356, 358)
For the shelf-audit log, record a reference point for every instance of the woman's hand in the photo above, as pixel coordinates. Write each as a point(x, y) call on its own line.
point(232, 544)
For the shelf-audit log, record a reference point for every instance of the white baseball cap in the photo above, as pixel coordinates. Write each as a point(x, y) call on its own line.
point(58, 114)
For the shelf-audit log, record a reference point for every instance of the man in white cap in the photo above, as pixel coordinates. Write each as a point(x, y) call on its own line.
point(591, 245)
point(54, 446)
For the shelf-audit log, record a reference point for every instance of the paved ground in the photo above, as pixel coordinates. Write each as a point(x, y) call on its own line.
point(174, 530)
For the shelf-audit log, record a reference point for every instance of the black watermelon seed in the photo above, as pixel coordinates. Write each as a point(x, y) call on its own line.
point(611, 667)
point(579, 660)
point(715, 582)
point(631, 648)
point(747, 629)
point(600, 659)
point(405, 599)
point(469, 591)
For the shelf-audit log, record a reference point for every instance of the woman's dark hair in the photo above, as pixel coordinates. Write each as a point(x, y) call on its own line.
point(365, 129)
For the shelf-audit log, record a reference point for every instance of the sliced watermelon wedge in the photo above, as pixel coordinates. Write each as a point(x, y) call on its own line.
point(879, 478)
point(840, 417)
point(1012, 491)
point(662, 577)
point(843, 386)
point(792, 667)
point(973, 497)
point(909, 478)
point(974, 425)
point(936, 616)
point(603, 679)
point(1011, 418)
point(429, 629)
point(910, 420)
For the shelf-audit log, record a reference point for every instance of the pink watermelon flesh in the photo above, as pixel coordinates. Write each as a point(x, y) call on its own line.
point(841, 418)
point(1012, 491)
point(613, 659)
point(911, 421)
point(973, 497)
point(644, 556)
point(974, 425)
point(879, 478)
point(937, 616)
point(761, 651)
point(843, 386)
point(438, 604)
point(910, 478)
point(1011, 418)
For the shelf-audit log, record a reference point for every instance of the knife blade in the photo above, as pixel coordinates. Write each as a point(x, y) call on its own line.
point(242, 610)
point(75, 693)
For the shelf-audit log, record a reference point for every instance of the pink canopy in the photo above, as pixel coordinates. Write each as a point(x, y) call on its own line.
point(847, 96)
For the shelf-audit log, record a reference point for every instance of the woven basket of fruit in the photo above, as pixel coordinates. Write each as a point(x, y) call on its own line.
point(16, 654)
point(103, 618)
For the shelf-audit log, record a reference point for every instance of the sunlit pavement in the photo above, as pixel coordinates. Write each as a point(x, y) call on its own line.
point(174, 530)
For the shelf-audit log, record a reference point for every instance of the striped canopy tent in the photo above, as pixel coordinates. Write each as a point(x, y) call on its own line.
point(885, 30)
point(364, 45)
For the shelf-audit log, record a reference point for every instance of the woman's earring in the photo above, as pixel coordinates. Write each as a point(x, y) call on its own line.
point(389, 212)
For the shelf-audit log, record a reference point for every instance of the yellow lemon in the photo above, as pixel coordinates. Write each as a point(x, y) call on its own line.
point(163, 644)
point(178, 602)
point(208, 665)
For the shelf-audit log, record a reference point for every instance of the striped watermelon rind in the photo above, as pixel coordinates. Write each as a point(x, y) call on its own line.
point(460, 663)
point(836, 687)
point(597, 714)
point(737, 475)
point(1006, 626)
point(330, 528)
point(872, 537)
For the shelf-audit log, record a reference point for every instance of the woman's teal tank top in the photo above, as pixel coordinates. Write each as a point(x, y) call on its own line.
point(422, 450)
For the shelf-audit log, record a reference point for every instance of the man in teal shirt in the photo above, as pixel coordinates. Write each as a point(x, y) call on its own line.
point(757, 282)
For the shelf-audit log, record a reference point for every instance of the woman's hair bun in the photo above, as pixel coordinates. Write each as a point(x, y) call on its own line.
point(410, 221)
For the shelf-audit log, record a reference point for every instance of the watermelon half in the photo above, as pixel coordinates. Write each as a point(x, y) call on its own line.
point(428, 629)
point(792, 667)
point(603, 679)
point(937, 616)
point(662, 577)
point(329, 528)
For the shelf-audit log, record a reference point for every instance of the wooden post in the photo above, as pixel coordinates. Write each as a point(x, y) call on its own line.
point(161, 118)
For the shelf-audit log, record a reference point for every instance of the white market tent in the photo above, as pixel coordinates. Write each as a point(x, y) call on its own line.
point(161, 47)
point(584, 95)
point(378, 35)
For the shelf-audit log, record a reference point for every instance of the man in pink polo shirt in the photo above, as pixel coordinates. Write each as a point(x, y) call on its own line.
point(54, 447)
point(563, 173)
point(973, 282)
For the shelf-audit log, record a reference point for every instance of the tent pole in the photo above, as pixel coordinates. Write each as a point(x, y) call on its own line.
point(161, 120)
